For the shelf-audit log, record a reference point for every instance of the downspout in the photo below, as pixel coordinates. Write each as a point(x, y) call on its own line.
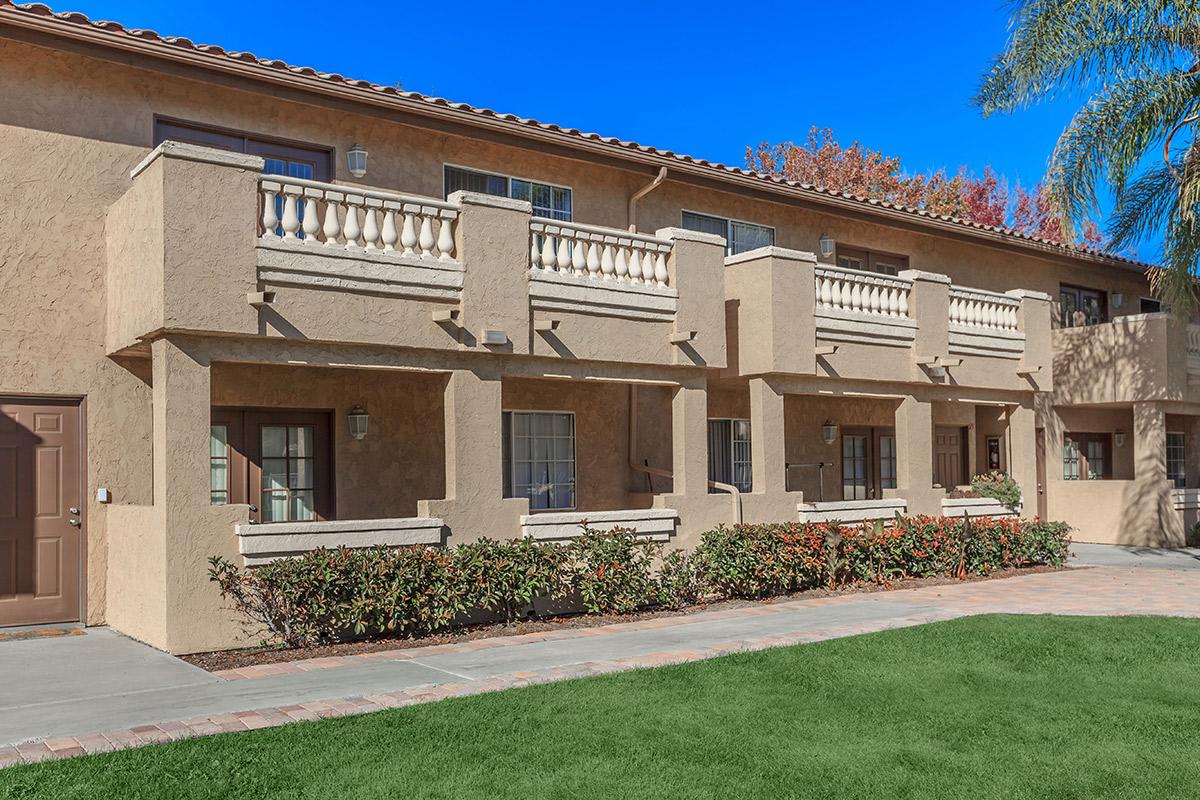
point(663, 473)
point(640, 193)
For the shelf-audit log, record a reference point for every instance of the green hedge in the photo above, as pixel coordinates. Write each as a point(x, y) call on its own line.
point(335, 595)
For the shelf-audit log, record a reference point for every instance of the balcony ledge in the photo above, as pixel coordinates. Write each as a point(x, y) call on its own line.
point(316, 266)
point(555, 291)
point(852, 510)
point(655, 524)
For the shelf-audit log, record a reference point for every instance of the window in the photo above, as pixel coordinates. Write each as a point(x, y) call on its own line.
point(293, 159)
point(1176, 463)
point(729, 453)
point(288, 473)
point(855, 483)
point(1151, 306)
point(1087, 456)
point(541, 458)
point(887, 462)
point(1079, 307)
point(279, 462)
point(739, 236)
point(218, 456)
point(870, 261)
point(993, 454)
point(551, 202)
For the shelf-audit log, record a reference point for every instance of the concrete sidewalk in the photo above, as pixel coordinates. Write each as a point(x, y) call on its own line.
point(98, 692)
point(1133, 557)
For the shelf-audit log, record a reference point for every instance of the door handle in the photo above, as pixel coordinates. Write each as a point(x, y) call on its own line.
point(74, 521)
point(73, 510)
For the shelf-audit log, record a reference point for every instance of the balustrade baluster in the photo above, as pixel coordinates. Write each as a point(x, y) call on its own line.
point(548, 260)
point(333, 226)
point(606, 262)
point(593, 260)
point(311, 224)
point(661, 274)
point(579, 257)
point(351, 229)
point(389, 236)
point(370, 231)
point(427, 241)
point(445, 241)
point(270, 220)
point(408, 234)
point(621, 266)
point(565, 246)
point(291, 215)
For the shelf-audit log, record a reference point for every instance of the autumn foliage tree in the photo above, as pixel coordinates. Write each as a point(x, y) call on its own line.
point(862, 172)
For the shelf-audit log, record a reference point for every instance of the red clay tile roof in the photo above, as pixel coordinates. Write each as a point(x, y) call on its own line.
point(11, 10)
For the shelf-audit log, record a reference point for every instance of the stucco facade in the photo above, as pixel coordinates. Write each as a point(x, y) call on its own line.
point(168, 285)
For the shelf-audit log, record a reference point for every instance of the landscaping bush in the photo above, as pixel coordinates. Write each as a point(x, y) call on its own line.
point(613, 571)
point(998, 486)
point(506, 577)
point(332, 595)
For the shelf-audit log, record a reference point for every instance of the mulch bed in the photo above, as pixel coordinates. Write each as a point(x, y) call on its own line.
point(232, 659)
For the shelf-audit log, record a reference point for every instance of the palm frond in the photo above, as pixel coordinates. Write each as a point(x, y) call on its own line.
point(1059, 44)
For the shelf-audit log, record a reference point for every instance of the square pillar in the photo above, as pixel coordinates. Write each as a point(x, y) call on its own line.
point(1150, 515)
point(689, 439)
point(1022, 453)
point(929, 306)
point(914, 463)
point(767, 440)
point(474, 505)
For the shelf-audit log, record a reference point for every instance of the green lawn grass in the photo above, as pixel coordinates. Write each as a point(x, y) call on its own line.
point(987, 707)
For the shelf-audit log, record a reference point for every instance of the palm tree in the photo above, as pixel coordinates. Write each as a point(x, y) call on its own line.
point(1138, 63)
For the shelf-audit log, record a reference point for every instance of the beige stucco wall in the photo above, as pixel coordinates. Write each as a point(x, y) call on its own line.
point(77, 230)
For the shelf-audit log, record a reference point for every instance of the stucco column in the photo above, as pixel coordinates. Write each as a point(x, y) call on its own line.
point(492, 238)
point(474, 504)
point(929, 305)
point(1151, 518)
point(689, 439)
point(774, 293)
point(1033, 320)
point(914, 463)
point(1022, 453)
point(697, 266)
point(767, 442)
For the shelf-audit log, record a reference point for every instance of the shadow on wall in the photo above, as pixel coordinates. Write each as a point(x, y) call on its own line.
point(1122, 366)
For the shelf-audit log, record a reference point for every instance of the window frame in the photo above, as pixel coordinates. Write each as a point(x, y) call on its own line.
point(870, 258)
point(1143, 300)
point(729, 229)
point(324, 157)
point(867, 436)
point(508, 181)
point(748, 484)
point(245, 457)
point(1079, 293)
point(1179, 479)
point(511, 460)
point(1081, 440)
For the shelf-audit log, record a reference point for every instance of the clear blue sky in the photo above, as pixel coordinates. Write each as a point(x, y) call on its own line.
point(702, 78)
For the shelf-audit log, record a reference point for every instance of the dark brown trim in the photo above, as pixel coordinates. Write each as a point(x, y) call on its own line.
point(1082, 440)
point(324, 157)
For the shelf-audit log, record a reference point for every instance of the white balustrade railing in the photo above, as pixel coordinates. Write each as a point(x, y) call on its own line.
point(329, 215)
point(588, 251)
point(1193, 340)
point(840, 289)
point(976, 308)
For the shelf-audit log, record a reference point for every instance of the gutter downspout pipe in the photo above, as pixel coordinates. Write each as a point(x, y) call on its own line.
point(735, 494)
point(640, 193)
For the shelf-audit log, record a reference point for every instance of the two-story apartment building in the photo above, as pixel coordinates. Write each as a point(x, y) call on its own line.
point(249, 309)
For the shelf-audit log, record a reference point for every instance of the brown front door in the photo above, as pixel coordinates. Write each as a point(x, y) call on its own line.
point(1040, 440)
point(41, 496)
point(948, 451)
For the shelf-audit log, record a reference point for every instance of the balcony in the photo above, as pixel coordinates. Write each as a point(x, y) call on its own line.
point(792, 315)
point(1142, 357)
point(203, 242)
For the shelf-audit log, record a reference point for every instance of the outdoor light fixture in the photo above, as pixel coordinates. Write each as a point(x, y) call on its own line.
point(826, 245)
point(1119, 438)
point(358, 419)
point(356, 160)
point(829, 432)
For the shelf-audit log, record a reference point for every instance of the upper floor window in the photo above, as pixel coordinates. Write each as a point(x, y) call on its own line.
point(740, 237)
point(870, 261)
point(1079, 306)
point(293, 159)
point(1151, 306)
point(549, 201)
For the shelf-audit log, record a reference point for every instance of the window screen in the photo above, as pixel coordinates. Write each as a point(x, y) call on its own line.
point(542, 467)
point(729, 453)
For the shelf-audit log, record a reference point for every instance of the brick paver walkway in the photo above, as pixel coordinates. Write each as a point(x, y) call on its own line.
point(491, 664)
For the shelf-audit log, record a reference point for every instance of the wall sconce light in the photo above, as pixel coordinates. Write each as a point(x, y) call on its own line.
point(358, 419)
point(356, 160)
point(937, 371)
point(1119, 438)
point(829, 432)
point(826, 243)
point(1118, 299)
